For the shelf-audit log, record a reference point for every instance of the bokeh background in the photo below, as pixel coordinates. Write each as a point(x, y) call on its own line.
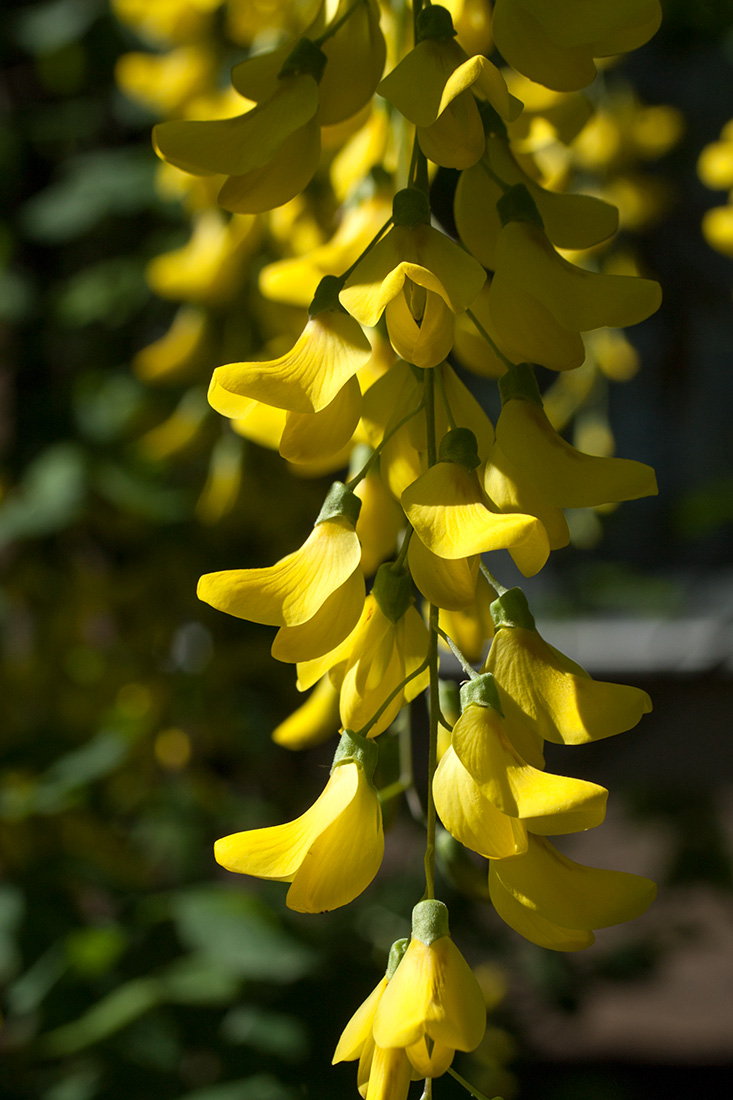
point(137, 722)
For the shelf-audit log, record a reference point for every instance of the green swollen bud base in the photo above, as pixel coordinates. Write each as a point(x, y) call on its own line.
point(519, 382)
point(459, 445)
point(392, 589)
point(396, 952)
point(512, 610)
point(517, 205)
point(434, 22)
point(339, 501)
point(327, 296)
point(430, 921)
point(481, 692)
point(305, 58)
point(411, 207)
point(353, 748)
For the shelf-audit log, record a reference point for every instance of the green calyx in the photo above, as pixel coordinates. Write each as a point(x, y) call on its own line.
point(411, 207)
point(392, 589)
point(481, 692)
point(459, 445)
point(396, 952)
point(339, 501)
point(519, 382)
point(512, 610)
point(517, 205)
point(355, 749)
point(434, 22)
point(305, 58)
point(327, 296)
point(430, 921)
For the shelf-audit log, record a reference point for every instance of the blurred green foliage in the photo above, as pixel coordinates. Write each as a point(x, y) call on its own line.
point(137, 721)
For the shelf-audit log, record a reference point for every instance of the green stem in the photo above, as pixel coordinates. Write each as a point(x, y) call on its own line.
point(392, 696)
point(354, 481)
point(499, 354)
point(495, 584)
point(469, 1087)
point(465, 665)
point(399, 562)
point(444, 397)
point(375, 240)
point(335, 27)
point(430, 812)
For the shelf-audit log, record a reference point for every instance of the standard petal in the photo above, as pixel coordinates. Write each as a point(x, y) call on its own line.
point(291, 591)
point(277, 852)
point(530, 924)
point(571, 894)
point(448, 583)
point(345, 856)
point(233, 146)
point(562, 475)
point(332, 623)
point(556, 698)
point(314, 437)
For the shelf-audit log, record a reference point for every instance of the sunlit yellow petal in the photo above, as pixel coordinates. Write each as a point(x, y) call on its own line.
point(332, 623)
point(530, 924)
point(312, 437)
point(359, 1027)
point(448, 583)
point(280, 179)
point(470, 817)
point(291, 591)
point(314, 721)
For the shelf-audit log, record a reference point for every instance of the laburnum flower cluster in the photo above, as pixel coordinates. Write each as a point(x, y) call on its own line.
point(372, 101)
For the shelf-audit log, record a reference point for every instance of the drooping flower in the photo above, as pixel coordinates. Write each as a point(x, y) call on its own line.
point(470, 816)
point(452, 516)
point(330, 853)
point(540, 303)
point(558, 473)
point(433, 1004)
point(556, 903)
point(547, 804)
point(434, 87)
point(389, 644)
point(382, 1074)
point(328, 353)
point(313, 722)
point(555, 41)
point(412, 250)
point(546, 691)
point(292, 592)
point(570, 220)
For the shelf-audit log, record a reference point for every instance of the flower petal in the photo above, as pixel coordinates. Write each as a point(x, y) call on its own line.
point(291, 591)
point(470, 817)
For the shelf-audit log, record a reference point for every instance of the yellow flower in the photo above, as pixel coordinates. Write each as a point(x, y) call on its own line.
point(449, 583)
point(292, 591)
point(570, 220)
point(389, 644)
point(541, 688)
point(353, 61)
point(470, 816)
point(313, 722)
point(296, 280)
point(327, 354)
point(382, 1074)
point(547, 804)
point(434, 86)
point(209, 267)
point(380, 519)
point(166, 82)
point(451, 515)
point(509, 491)
point(555, 41)
point(176, 352)
point(420, 325)
point(433, 1005)
point(333, 851)
point(540, 303)
point(412, 250)
point(268, 154)
point(557, 473)
point(556, 903)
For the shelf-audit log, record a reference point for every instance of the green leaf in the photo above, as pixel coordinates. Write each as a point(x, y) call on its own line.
point(239, 933)
point(49, 497)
